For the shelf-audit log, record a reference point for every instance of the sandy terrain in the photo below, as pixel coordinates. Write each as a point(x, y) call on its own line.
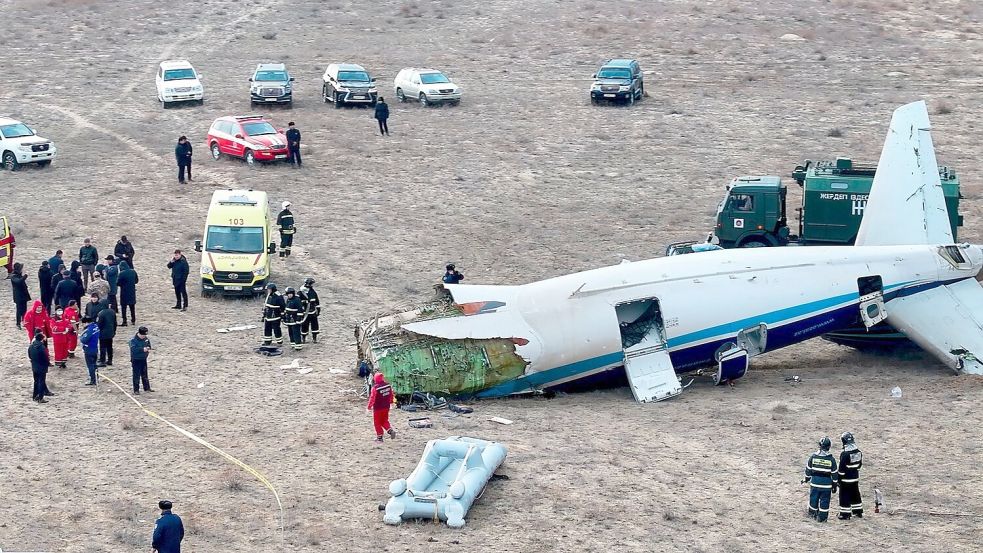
point(525, 180)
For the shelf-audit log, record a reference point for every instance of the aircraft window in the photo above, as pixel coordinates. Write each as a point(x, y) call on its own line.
point(741, 202)
point(954, 256)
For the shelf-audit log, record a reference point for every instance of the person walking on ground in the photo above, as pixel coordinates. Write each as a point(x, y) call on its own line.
point(169, 530)
point(821, 475)
point(127, 283)
point(124, 251)
point(60, 329)
point(90, 347)
point(44, 284)
point(56, 262)
point(380, 400)
point(382, 116)
point(72, 316)
point(851, 461)
point(292, 316)
point(38, 354)
point(293, 143)
point(272, 313)
point(112, 277)
point(139, 351)
point(311, 325)
point(179, 278)
point(182, 152)
point(37, 319)
point(75, 273)
point(285, 224)
point(106, 319)
point(88, 257)
point(98, 285)
point(66, 290)
point(18, 286)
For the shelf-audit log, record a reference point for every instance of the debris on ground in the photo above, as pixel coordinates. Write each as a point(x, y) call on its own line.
point(269, 351)
point(896, 392)
point(793, 379)
point(235, 328)
point(420, 422)
point(500, 420)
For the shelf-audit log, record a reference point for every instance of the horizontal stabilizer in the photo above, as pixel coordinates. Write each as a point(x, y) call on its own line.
point(946, 321)
point(906, 205)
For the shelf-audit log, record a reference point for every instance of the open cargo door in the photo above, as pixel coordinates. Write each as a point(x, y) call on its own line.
point(651, 375)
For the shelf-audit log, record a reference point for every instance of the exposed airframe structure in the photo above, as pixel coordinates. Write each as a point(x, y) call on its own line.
point(656, 318)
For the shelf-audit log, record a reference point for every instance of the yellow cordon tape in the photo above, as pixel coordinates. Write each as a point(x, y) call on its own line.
point(231, 459)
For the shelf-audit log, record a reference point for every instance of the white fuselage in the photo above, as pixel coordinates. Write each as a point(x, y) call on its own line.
point(705, 299)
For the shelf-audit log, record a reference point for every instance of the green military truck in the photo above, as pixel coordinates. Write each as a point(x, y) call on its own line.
point(834, 195)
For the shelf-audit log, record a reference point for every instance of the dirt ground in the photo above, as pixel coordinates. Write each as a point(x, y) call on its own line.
point(523, 181)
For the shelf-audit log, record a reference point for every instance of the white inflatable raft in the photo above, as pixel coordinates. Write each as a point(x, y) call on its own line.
point(447, 481)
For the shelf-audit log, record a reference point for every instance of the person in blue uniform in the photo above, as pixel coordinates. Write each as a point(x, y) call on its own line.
point(169, 531)
point(821, 475)
point(452, 275)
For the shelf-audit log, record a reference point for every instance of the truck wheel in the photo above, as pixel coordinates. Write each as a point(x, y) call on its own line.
point(754, 243)
point(593, 100)
point(324, 93)
point(631, 98)
point(337, 101)
point(423, 100)
point(10, 161)
point(250, 157)
point(400, 96)
point(216, 153)
point(205, 293)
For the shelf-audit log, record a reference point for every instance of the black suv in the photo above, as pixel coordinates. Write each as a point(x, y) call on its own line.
point(618, 80)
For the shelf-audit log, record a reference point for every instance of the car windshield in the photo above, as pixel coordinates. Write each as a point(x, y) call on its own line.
point(258, 128)
point(16, 130)
point(353, 76)
point(179, 74)
point(270, 76)
point(234, 239)
point(433, 78)
point(613, 73)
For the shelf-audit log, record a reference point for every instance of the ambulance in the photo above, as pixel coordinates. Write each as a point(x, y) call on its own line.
point(6, 246)
point(237, 245)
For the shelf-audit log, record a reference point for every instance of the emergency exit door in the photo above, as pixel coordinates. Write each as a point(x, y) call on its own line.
point(651, 375)
point(871, 289)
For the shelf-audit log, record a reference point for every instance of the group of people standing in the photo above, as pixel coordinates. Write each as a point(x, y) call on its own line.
point(825, 476)
point(299, 310)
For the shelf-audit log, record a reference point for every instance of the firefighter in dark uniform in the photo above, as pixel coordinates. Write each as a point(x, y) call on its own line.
point(293, 316)
point(821, 475)
point(311, 325)
point(272, 313)
point(285, 224)
point(851, 459)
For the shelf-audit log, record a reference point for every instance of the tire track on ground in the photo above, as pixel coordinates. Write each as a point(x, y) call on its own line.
point(81, 122)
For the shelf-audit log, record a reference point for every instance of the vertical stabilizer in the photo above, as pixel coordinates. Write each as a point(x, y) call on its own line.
point(906, 205)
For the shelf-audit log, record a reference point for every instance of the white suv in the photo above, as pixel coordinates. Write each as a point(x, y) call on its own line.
point(348, 83)
point(428, 86)
point(19, 145)
point(177, 81)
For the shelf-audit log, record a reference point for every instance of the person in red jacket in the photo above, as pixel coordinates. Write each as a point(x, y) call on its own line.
point(60, 329)
point(37, 318)
point(72, 316)
point(380, 400)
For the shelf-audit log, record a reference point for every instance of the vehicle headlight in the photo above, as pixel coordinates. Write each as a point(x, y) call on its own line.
point(260, 147)
point(206, 270)
point(198, 88)
point(260, 271)
point(169, 90)
point(595, 86)
point(624, 88)
point(24, 147)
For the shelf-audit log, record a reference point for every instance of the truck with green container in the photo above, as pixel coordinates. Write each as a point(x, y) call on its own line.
point(834, 195)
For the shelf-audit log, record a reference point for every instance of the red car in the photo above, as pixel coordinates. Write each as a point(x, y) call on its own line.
point(249, 137)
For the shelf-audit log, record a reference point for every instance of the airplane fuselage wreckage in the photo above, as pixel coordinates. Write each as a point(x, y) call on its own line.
point(670, 315)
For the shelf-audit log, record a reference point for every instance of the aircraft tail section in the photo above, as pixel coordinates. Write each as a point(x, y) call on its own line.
point(906, 204)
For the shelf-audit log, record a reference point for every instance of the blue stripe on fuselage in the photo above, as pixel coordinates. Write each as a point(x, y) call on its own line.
point(685, 359)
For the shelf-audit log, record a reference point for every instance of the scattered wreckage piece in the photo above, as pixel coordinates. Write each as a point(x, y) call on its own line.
point(449, 478)
point(235, 328)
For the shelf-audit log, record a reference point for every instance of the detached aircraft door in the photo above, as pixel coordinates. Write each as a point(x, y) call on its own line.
point(871, 300)
point(651, 375)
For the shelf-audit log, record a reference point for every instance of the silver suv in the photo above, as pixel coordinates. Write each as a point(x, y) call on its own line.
point(271, 84)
